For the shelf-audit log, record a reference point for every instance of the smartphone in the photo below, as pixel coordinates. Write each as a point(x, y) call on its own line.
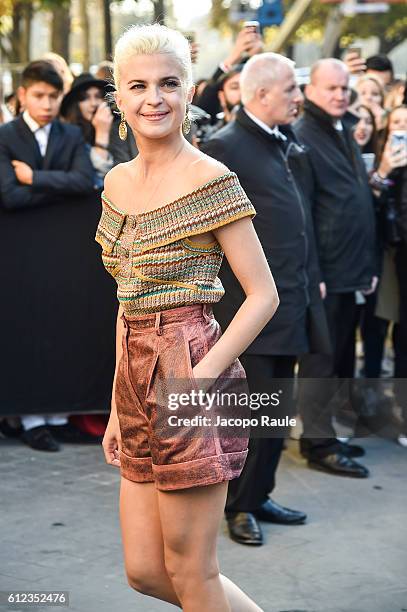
point(369, 160)
point(190, 36)
point(398, 140)
point(355, 49)
point(254, 25)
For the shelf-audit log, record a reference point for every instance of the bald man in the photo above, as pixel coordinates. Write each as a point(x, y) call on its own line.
point(261, 148)
point(345, 231)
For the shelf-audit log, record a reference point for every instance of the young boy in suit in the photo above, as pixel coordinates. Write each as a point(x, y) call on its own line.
point(44, 165)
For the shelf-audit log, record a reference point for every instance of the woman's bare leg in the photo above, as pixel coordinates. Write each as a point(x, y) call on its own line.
point(190, 521)
point(143, 541)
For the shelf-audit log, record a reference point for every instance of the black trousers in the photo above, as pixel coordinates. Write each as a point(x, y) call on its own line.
point(248, 492)
point(319, 437)
point(374, 332)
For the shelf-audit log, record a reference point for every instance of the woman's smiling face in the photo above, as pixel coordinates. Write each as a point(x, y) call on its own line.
point(153, 95)
point(369, 92)
point(398, 120)
point(364, 127)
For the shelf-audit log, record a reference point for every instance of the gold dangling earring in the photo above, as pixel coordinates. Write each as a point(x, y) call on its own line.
point(122, 127)
point(186, 124)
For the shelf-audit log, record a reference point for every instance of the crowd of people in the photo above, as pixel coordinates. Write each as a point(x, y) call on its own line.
point(325, 167)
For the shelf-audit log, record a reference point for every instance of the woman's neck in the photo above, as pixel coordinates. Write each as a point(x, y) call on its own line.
point(156, 153)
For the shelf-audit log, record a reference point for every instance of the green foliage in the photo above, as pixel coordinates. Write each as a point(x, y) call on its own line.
point(390, 27)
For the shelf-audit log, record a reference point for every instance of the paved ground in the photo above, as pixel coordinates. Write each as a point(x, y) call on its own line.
point(59, 530)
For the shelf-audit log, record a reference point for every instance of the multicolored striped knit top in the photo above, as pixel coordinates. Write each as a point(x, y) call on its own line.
point(152, 257)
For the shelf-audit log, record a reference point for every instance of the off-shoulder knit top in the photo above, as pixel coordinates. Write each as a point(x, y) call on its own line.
point(151, 255)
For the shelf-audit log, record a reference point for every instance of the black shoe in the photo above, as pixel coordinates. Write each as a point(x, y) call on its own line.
point(69, 434)
point(244, 529)
point(339, 464)
point(40, 438)
point(352, 450)
point(271, 512)
point(8, 431)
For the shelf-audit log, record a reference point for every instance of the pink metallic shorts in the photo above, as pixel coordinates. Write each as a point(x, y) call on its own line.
point(158, 348)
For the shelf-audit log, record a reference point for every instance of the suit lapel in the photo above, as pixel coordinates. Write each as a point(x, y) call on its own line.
point(32, 148)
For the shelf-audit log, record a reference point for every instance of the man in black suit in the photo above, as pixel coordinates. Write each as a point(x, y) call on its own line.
point(345, 232)
point(44, 166)
point(268, 161)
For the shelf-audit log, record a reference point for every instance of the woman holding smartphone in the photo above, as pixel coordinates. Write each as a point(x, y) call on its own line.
point(397, 145)
point(85, 105)
point(169, 216)
point(390, 185)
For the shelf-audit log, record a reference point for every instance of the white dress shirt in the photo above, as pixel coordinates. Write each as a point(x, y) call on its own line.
point(41, 133)
point(274, 131)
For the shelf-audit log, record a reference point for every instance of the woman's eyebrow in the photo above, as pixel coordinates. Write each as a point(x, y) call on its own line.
point(162, 79)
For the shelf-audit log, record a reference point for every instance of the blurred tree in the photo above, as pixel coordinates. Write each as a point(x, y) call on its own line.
point(324, 25)
point(390, 27)
point(15, 30)
point(60, 26)
point(107, 29)
point(84, 18)
point(159, 11)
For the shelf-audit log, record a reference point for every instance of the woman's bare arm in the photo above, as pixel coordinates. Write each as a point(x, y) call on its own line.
point(119, 352)
point(246, 258)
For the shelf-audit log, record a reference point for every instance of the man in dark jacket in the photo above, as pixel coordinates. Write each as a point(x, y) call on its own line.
point(265, 159)
point(344, 227)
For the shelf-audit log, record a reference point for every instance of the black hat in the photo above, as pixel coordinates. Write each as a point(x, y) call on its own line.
point(81, 83)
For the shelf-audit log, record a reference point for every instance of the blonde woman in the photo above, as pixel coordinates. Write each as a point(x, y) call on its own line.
point(371, 94)
point(169, 216)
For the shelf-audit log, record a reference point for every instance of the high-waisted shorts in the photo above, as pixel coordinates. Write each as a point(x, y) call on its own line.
point(158, 348)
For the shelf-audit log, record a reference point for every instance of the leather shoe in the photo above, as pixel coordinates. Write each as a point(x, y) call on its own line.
point(352, 450)
point(8, 431)
point(272, 512)
point(340, 464)
point(244, 529)
point(40, 438)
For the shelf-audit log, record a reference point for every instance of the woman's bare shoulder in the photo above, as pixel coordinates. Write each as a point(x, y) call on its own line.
point(117, 174)
point(205, 169)
point(115, 183)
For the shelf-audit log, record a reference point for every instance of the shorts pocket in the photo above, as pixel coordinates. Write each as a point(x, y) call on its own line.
point(152, 375)
point(195, 350)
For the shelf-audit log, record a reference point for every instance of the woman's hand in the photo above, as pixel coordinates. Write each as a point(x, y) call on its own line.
point(247, 41)
point(391, 159)
point(112, 441)
point(204, 371)
point(103, 118)
point(379, 114)
point(355, 63)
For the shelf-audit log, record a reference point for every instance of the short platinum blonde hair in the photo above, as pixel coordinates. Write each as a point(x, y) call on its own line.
point(261, 71)
point(150, 39)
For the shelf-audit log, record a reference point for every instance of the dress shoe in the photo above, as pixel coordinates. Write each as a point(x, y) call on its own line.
point(352, 450)
point(244, 529)
point(402, 439)
point(339, 464)
point(40, 438)
point(272, 512)
point(8, 431)
point(69, 434)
